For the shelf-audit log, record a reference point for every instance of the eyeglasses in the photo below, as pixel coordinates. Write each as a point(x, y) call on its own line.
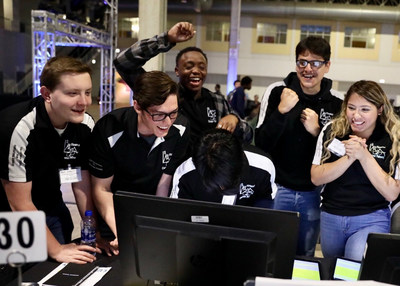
point(162, 116)
point(313, 64)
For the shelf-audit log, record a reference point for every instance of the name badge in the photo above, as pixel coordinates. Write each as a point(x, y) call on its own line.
point(70, 175)
point(337, 147)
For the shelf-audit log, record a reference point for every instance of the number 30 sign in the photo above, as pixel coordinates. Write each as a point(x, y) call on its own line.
point(22, 237)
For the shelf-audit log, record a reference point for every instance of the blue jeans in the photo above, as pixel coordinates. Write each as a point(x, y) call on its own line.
point(61, 226)
point(307, 204)
point(346, 236)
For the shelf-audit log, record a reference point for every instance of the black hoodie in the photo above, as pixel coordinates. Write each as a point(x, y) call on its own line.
point(284, 136)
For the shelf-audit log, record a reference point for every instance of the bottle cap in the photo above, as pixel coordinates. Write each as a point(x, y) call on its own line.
point(88, 213)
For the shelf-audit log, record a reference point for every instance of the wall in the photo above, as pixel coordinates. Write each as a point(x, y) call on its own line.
point(268, 68)
point(263, 68)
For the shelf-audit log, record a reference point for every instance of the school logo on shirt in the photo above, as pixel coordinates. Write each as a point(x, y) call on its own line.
point(166, 157)
point(212, 115)
point(70, 150)
point(325, 116)
point(246, 191)
point(377, 151)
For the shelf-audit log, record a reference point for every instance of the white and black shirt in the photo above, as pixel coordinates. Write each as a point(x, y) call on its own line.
point(137, 164)
point(352, 193)
point(257, 182)
point(32, 150)
point(284, 137)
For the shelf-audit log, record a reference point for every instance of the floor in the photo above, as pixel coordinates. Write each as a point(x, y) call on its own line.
point(70, 200)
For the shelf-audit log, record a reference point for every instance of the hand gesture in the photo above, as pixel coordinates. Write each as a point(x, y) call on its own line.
point(75, 253)
point(289, 98)
point(181, 32)
point(309, 118)
point(110, 247)
point(355, 147)
point(228, 122)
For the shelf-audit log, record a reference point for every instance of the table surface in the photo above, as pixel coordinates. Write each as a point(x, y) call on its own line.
point(114, 276)
point(40, 270)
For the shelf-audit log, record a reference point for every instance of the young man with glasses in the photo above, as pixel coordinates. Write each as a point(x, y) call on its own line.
point(292, 114)
point(137, 149)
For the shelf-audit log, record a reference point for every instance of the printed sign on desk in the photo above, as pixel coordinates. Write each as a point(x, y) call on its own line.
point(22, 237)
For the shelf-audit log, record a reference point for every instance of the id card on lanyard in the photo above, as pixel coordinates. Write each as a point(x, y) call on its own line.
point(70, 175)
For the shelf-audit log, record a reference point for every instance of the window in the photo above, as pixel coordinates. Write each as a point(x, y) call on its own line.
point(271, 33)
point(359, 37)
point(315, 30)
point(396, 45)
point(217, 31)
point(128, 28)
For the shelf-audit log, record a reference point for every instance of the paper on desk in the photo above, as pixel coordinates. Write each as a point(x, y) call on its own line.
point(90, 281)
point(52, 273)
point(96, 276)
point(262, 281)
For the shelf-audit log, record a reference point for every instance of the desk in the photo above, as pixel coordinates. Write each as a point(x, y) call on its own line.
point(114, 276)
point(40, 270)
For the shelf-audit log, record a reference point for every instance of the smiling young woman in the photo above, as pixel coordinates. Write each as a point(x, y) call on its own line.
point(362, 180)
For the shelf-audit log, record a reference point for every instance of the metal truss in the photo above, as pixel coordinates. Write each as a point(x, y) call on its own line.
point(50, 30)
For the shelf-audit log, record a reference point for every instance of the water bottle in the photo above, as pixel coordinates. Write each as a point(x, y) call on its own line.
point(88, 230)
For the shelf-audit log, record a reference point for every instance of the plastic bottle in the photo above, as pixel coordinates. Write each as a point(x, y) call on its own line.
point(88, 230)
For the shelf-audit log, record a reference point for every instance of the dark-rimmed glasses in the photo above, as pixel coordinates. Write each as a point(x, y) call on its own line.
point(162, 116)
point(314, 64)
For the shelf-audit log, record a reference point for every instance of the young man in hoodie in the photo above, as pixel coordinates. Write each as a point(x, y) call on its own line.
point(292, 114)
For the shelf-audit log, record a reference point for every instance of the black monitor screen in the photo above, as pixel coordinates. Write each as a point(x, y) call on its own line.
point(382, 258)
point(192, 242)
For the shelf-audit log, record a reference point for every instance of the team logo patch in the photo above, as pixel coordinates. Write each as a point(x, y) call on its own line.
point(18, 156)
point(325, 117)
point(212, 115)
point(166, 157)
point(70, 150)
point(246, 191)
point(377, 151)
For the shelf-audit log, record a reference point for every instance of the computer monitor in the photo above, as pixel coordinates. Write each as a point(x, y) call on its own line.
point(306, 269)
point(177, 240)
point(346, 269)
point(381, 262)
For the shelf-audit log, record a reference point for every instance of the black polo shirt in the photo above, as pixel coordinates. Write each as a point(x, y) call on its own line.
point(31, 150)
point(137, 165)
point(257, 182)
point(352, 193)
point(201, 112)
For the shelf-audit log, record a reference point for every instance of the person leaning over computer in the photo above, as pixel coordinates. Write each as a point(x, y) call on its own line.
point(203, 108)
point(42, 139)
point(291, 115)
point(137, 149)
point(221, 170)
point(357, 159)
